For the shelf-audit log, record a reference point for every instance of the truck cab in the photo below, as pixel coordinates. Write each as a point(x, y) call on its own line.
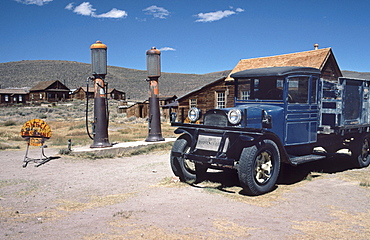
point(276, 119)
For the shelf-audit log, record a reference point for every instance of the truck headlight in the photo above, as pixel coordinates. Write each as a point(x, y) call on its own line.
point(194, 114)
point(234, 116)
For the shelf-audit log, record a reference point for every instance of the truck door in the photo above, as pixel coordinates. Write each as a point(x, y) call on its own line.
point(302, 110)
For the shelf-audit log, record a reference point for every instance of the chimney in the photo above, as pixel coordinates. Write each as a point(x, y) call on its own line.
point(316, 46)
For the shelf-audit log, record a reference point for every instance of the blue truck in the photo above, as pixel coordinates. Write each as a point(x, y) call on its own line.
point(280, 115)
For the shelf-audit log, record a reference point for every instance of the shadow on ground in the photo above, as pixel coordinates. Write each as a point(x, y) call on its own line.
point(288, 174)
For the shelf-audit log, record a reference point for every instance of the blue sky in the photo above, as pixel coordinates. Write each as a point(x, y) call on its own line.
point(194, 36)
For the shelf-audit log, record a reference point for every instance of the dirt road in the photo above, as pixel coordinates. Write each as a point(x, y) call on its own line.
point(139, 198)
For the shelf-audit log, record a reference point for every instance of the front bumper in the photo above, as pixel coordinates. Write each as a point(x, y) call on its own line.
point(219, 147)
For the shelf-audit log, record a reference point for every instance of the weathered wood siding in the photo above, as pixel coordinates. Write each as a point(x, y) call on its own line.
point(206, 98)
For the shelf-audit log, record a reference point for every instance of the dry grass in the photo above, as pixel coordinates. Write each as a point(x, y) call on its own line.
point(67, 121)
point(346, 225)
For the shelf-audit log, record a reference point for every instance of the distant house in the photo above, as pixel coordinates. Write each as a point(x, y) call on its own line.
point(80, 93)
point(116, 94)
point(49, 91)
point(141, 109)
point(220, 93)
point(12, 96)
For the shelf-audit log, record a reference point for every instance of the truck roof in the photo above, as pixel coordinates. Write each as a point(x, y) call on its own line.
point(275, 72)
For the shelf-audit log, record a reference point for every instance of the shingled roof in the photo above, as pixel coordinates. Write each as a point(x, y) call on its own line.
point(314, 58)
point(42, 86)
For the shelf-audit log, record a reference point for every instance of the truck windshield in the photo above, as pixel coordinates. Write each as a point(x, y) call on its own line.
point(260, 89)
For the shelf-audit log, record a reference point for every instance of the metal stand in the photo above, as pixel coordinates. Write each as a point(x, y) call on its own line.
point(43, 158)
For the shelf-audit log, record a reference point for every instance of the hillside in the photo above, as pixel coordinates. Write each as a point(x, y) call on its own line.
point(352, 74)
point(74, 74)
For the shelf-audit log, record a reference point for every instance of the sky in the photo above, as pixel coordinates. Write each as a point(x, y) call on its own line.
point(194, 36)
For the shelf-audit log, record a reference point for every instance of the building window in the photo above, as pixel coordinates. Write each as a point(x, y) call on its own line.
point(6, 98)
point(193, 103)
point(245, 95)
point(220, 101)
point(20, 98)
point(40, 95)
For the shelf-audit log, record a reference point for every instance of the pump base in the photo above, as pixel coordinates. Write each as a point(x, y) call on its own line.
point(154, 138)
point(101, 144)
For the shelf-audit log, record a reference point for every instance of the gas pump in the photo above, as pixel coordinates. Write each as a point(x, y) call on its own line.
point(153, 63)
point(99, 70)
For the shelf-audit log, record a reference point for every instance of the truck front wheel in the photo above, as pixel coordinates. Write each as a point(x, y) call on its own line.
point(259, 167)
point(185, 169)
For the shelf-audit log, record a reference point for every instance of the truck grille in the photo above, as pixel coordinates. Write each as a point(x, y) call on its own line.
point(215, 118)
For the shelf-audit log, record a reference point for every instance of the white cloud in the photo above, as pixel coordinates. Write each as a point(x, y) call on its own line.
point(166, 49)
point(218, 15)
point(36, 2)
point(157, 12)
point(70, 6)
point(86, 9)
point(114, 13)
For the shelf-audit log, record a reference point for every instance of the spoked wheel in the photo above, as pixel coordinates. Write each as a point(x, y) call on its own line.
point(185, 169)
point(361, 151)
point(259, 167)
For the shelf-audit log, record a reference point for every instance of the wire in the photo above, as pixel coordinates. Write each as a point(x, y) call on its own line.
point(87, 109)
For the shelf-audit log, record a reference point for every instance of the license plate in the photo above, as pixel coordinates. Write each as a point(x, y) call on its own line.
point(209, 143)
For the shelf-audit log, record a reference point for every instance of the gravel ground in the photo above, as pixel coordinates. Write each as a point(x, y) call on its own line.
point(139, 198)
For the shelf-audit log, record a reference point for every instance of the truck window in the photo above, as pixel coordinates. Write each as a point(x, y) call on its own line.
point(298, 89)
point(268, 88)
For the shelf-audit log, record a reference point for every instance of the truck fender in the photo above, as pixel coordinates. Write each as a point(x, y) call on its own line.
point(183, 131)
point(284, 157)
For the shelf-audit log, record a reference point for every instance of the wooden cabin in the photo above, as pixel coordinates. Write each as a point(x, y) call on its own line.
point(13, 96)
point(217, 94)
point(116, 94)
point(49, 91)
point(141, 109)
point(80, 93)
point(220, 93)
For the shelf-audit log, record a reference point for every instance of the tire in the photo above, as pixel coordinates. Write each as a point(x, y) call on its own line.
point(259, 167)
point(361, 151)
point(185, 169)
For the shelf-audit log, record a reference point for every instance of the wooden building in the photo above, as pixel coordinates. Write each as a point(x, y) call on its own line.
point(141, 109)
point(13, 96)
point(80, 93)
point(322, 59)
point(220, 93)
point(49, 91)
point(116, 94)
point(138, 110)
point(217, 94)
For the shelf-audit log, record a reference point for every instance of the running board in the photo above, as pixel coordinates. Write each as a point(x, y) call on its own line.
point(296, 160)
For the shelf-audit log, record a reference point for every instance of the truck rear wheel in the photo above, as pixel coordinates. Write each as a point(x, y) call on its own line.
point(185, 169)
point(361, 151)
point(259, 167)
